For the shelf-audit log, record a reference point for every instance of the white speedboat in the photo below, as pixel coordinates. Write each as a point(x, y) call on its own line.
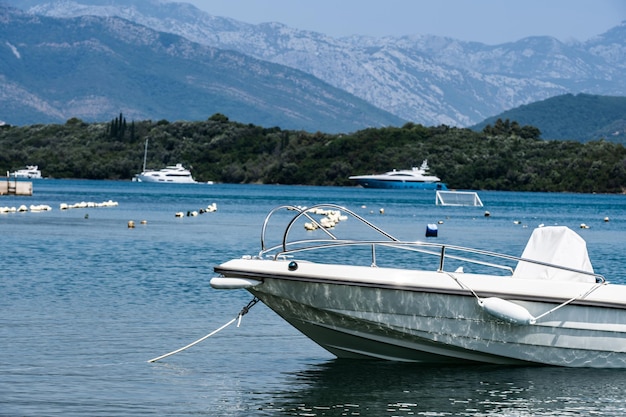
point(173, 174)
point(405, 178)
point(362, 299)
point(30, 172)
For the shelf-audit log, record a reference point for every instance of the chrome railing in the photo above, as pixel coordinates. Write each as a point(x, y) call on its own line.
point(287, 248)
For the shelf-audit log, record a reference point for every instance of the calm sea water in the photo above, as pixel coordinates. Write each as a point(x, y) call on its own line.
point(86, 301)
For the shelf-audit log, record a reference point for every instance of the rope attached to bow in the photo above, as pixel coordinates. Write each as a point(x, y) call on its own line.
point(242, 313)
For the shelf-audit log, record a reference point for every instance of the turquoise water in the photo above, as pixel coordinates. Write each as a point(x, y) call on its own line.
point(86, 301)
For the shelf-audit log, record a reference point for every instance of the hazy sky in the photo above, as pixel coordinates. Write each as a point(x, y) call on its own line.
point(487, 21)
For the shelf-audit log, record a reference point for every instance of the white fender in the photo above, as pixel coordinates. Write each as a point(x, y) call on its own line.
point(224, 283)
point(507, 311)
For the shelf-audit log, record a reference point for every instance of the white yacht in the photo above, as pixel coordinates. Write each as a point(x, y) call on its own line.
point(172, 174)
point(405, 178)
point(30, 172)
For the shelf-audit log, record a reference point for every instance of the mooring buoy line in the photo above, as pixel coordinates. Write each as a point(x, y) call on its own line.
point(243, 312)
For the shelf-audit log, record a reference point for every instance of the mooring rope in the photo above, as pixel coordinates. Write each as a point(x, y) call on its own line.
point(571, 300)
point(243, 312)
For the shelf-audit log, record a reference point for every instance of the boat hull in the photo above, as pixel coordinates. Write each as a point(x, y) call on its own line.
point(357, 336)
point(382, 313)
point(395, 184)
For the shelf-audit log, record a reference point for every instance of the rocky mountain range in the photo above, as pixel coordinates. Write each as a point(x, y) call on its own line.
point(420, 78)
point(93, 68)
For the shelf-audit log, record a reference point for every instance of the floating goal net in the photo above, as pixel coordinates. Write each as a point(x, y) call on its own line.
point(458, 198)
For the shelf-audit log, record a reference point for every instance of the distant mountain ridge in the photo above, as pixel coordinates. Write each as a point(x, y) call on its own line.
point(424, 79)
point(93, 68)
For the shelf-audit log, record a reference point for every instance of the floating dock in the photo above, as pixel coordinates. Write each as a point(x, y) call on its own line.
point(15, 187)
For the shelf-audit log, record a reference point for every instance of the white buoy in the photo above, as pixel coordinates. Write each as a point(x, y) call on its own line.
point(327, 223)
point(310, 226)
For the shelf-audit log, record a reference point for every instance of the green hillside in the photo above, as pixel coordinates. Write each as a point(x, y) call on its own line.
point(506, 156)
point(581, 117)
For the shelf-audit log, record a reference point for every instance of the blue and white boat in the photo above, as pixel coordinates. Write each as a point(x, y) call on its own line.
point(405, 178)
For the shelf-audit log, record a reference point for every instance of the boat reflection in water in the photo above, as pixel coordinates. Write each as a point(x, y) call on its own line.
point(343, 387)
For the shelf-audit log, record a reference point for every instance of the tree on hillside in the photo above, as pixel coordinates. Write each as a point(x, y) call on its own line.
point(508, 128)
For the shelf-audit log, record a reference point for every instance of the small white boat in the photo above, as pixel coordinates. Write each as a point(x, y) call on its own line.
point(172, 174)
point(415, 177)
point(30, 172)
point(363, 299)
